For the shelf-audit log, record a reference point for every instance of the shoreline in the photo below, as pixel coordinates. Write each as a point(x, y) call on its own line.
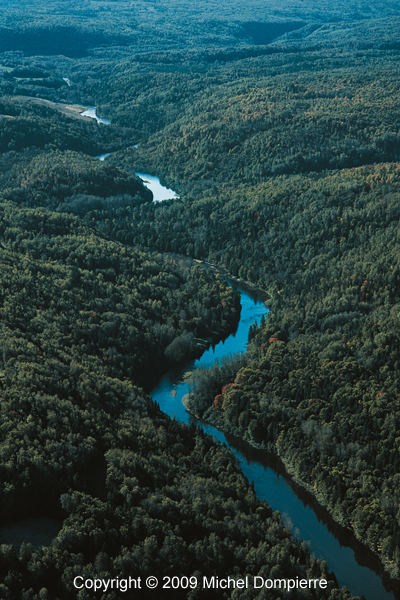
point(246, 285)
point(383, 569)
point(185, 401)
point(341, 531)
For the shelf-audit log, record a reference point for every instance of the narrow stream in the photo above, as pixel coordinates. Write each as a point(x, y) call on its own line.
point(354, 565)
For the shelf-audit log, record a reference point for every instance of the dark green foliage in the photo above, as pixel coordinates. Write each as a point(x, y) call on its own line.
point(81, 318)
point(206, 383)
point(265, 116)
point(323, 388)
point(69, 182)
point(27, 124)
point(131, 305)
point(322, 242)
point(69, 41)
point(262, 33)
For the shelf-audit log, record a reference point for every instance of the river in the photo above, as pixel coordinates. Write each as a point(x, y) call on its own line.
point(91, 112)
point(354, 565)
point(153, 183)
point(160, 192)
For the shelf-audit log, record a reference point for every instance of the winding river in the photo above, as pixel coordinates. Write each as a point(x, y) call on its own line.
point(354, 565)
point(153, 183)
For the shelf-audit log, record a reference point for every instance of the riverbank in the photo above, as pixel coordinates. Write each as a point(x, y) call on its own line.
point(246, 285)
point(254, 453)
point(185, 401)
point(70, 110)
point(355, 565)
point(241, 283)
point(219, 425)
point(315, 500)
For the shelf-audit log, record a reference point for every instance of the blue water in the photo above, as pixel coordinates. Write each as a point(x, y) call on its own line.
point(355, 566)
point(153, 183)
point(91, 112)
point(160, 192)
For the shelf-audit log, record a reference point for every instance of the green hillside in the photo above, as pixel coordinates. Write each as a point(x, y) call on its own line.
point(319, 232)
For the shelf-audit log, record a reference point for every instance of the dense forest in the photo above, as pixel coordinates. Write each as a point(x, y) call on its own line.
point(83, 319)
point(281, 133)
point(37, 28)
point(68, 182)
point(27, 124)
point(248, 119)
point(322, 390)
point(318, 231)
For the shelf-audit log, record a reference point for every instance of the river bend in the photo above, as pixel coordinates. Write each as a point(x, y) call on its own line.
point(354, 565)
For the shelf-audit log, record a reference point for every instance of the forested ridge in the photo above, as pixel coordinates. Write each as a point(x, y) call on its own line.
point(67, 181)
point(36, 28)
point(323, 389)
point(25, 124)
point(286, 158)
point(249, 119)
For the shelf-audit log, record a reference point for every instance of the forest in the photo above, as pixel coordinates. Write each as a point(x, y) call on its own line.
point(318, 231)
point(281, 133)
point(85, 322)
